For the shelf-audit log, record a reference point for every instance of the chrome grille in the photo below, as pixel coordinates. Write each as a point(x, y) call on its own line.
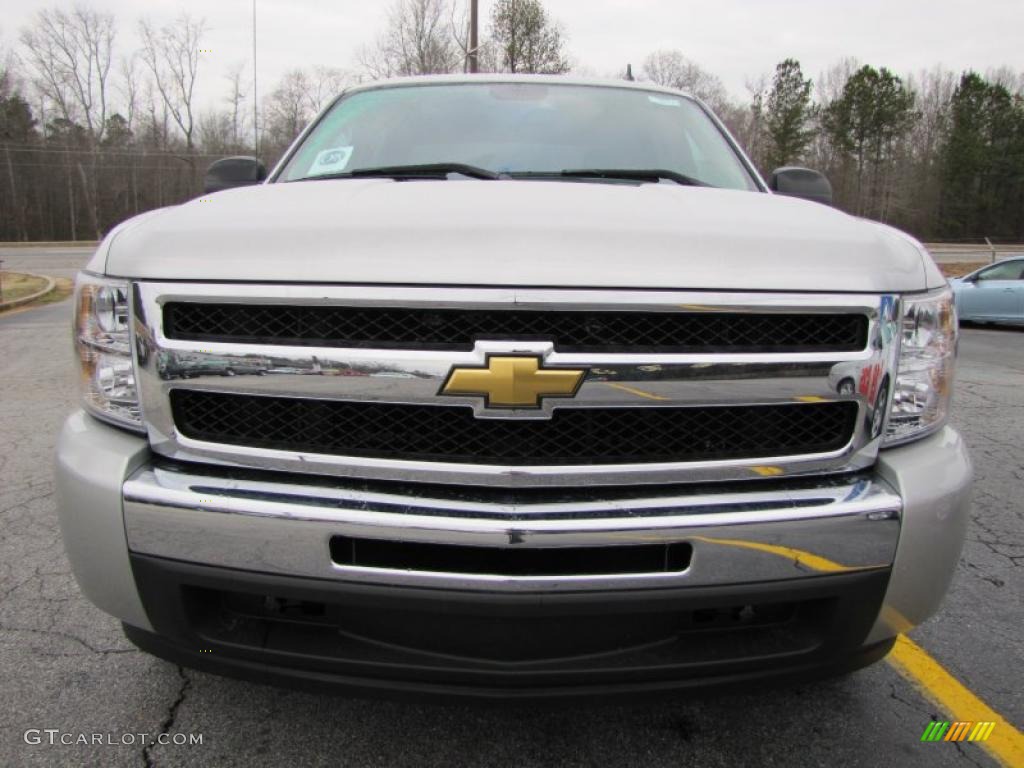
point(690, 389)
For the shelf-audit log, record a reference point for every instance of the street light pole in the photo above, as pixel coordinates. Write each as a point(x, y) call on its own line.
point(474, 64)
point(255, 107)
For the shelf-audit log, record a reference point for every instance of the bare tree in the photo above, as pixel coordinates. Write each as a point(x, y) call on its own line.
point(215, 132)
point(933, 90)
point(746, 121)
point(1012, 80)
point(8, 62)
point(157, 127)
point(822, 154)
point(129, 89)
point(674, 70)
point(236, 98)
point(526, 39)
point(326, 83)
point(486, 50)
point(920, 181)
point(171, 53)
point(458, 28)
point(286, 111)
point(416, 41)
point(71, 55)
point(830, 83)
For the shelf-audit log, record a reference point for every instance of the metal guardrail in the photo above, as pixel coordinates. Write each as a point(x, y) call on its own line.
point(49, 244)
point(949, 253)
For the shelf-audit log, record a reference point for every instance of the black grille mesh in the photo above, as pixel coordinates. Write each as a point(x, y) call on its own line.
point(573, 436)
point(571, 331)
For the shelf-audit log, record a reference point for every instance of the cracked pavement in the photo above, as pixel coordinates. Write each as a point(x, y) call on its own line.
point(66, 665)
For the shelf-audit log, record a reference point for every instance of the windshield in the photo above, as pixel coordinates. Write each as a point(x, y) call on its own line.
point(519, 129)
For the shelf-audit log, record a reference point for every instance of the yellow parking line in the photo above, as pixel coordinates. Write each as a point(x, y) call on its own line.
point(637, 392)
point(1006, 744)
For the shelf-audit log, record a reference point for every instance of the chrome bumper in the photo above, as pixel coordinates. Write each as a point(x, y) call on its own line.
point(106, 483)
point(284, 527)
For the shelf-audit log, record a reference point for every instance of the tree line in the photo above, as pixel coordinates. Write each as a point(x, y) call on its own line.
point(92, 134)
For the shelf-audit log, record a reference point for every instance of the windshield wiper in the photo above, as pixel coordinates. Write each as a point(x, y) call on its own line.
point(430, 171)
point(631, 174)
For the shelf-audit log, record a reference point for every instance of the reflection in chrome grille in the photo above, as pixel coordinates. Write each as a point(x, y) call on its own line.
point(572, 436)
point(575, 331)
point(344, 381)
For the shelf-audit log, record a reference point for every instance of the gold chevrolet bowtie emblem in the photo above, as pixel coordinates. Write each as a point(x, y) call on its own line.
point(513, 382)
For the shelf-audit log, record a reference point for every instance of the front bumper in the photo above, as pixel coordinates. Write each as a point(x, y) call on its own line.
point(237, 570)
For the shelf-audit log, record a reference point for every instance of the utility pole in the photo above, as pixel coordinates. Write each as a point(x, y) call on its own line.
point(474, 62)
point(255, 107)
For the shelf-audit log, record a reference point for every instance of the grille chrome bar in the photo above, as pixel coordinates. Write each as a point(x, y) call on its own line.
point(458, 329)
point(613, 379)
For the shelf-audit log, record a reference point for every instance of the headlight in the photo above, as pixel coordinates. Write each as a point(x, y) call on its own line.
point(103, 348)
point(924, 381)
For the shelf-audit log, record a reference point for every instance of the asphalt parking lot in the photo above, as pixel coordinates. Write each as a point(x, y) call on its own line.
point(66, 666)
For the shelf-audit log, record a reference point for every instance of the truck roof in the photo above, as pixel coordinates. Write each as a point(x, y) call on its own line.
point(498, 77)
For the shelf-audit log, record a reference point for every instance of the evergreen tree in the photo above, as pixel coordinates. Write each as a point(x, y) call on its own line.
point(787, 115)
point(983, 162)
point(17, 126)
point(16, 122)
point(866, 124)
point(117, 134)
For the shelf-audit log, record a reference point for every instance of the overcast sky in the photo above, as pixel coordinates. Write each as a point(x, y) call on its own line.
point(736, 39)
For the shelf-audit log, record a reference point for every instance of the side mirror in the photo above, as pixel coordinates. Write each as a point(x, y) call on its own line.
point(801, 182)
point(233, 172)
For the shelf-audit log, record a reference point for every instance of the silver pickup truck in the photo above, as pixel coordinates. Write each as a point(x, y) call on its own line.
point(511, 388)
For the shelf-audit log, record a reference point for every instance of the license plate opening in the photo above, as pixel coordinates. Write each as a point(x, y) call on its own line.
point(672, 557)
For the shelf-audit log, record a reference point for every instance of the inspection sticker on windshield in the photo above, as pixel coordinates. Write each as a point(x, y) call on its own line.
point(665, 101)
point(331, 161)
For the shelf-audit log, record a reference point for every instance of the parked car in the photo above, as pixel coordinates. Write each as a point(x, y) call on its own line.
point(651, 423)
point(992, 294)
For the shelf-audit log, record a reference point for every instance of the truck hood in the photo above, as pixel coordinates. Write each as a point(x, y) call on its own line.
point(514, 233)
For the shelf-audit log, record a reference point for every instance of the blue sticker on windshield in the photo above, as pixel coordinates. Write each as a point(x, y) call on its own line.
point(331, 161)
point(665, 101)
